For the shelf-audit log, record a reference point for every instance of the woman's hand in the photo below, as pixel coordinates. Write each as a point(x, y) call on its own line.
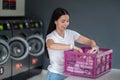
point(94, 50)
point(75, 48)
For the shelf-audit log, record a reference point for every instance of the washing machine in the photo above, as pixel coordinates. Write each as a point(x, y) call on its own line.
point(36, 43)
point(19, 50)
point(5, 60)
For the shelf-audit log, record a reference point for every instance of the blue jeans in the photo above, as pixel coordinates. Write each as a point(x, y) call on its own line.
point(55, 76)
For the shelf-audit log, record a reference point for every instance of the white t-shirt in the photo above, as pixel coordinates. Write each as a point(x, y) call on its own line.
point(57, 56)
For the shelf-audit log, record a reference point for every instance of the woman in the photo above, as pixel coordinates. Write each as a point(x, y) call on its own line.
point(59, 39)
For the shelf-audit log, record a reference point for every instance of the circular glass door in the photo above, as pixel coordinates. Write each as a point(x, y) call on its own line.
point(4, 51)
point(36, 44)
point(19, 48)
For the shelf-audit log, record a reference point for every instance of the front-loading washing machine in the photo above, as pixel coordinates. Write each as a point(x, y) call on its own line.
point(36, 43)
point(19, 50)
point(5, 61)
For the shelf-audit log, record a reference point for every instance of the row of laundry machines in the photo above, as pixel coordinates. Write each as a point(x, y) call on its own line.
point(21, 48)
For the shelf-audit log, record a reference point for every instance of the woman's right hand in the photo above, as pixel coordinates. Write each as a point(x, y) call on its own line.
point(75, 48)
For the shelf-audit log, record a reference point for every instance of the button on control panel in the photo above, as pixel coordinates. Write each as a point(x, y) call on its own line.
point(1, 70)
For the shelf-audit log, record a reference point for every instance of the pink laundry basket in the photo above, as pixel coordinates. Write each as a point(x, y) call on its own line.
point(86, 64)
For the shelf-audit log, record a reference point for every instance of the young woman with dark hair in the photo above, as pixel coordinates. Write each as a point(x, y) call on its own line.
point(59, 39)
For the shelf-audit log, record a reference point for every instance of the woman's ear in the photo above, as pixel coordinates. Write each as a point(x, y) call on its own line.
point(55, 22)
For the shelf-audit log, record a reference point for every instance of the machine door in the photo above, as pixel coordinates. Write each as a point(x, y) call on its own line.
point(36, 44)
point(19, 48)
point(4, 51)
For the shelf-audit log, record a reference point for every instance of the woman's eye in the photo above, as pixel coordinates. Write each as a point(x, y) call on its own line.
point(67, 21)
point(63, 21)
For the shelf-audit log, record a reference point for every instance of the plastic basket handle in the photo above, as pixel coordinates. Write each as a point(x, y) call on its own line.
point(105, 53)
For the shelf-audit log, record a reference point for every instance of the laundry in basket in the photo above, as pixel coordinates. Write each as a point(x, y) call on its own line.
point(86, 64)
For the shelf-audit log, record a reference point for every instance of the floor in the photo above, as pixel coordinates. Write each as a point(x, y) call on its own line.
point(114, 74)
point(41, 76)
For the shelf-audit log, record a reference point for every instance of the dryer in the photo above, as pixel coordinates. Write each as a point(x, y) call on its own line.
point(36, 43)
point(19, 50)
point(5, 61)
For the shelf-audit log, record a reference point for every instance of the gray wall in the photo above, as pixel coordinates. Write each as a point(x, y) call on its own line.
point(96, 19)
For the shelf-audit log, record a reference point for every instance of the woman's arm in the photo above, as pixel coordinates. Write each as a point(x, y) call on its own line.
point(58, 46)
point(87, 41)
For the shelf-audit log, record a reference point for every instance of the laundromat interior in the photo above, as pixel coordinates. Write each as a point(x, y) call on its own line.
point(23, 28)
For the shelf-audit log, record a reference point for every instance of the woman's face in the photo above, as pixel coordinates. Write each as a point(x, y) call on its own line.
point(62, 22)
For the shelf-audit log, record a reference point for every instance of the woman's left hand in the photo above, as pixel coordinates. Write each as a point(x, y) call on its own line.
point(94, 50)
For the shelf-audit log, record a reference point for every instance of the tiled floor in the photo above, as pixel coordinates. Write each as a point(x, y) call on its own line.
point(41, 76)
point(114, 74)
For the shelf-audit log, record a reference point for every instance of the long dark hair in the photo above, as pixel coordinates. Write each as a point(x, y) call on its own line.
point(57, 13)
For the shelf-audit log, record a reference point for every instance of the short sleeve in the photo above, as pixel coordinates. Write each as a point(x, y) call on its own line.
point(75, 35)
point(49, 37)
